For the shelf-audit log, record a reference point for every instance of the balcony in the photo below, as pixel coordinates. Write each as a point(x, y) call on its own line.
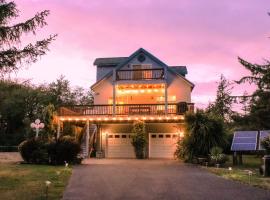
point(140, 74)
point(126, 109)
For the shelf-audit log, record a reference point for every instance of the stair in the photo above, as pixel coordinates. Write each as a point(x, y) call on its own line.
point(86, 152)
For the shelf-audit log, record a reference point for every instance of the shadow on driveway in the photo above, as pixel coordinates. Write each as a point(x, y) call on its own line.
point(153, 179)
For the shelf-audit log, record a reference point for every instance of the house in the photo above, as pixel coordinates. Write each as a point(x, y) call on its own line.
point(138, 87)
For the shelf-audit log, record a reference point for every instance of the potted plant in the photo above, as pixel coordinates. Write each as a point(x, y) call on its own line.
point(266, 159)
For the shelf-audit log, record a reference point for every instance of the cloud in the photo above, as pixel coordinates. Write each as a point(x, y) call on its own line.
point(207, 36)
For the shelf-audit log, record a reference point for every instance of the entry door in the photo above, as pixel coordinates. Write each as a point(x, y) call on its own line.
point(119, 146)
point(162, 145)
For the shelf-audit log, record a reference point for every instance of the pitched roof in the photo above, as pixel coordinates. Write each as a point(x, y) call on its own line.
point(125, 60)
point(179, 69)
point(109, 61)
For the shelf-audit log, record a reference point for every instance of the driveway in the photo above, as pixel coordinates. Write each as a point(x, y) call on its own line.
point(153, 179)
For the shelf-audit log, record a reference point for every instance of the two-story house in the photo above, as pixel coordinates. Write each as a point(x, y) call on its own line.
point(138, 87)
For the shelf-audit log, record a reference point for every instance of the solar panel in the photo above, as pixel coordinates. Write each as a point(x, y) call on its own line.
point(244, 141)
point(263, 134)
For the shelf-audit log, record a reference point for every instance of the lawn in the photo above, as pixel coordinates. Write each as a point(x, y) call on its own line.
point(241, 173)
point(27, 182)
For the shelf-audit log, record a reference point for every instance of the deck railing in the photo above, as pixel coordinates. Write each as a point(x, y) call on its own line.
point(127, 109)
point(140, 74)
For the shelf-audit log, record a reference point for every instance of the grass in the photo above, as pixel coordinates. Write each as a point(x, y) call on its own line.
point(27, 182)
point(241, 173)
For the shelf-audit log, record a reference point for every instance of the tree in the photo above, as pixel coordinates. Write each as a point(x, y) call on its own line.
point(260, 103)
point(12, 56)
point(60, 92)
point(222, 106)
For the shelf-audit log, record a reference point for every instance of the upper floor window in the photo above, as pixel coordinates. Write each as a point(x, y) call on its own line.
point(142, 71)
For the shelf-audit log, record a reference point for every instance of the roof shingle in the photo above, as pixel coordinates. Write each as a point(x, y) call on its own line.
point(109, 61)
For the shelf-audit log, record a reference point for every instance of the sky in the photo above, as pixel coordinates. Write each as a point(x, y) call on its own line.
point(207, 36)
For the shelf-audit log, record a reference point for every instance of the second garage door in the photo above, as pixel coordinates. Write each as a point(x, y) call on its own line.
point(119, 146)
point(162, 145)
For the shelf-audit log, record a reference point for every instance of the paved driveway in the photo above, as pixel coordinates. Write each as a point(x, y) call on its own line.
point(153, 179)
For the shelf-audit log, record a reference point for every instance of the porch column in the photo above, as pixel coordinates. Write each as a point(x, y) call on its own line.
point(87, 137)
point(114, 80)
point(166, 99)
point(58, 129)
point(166, 91)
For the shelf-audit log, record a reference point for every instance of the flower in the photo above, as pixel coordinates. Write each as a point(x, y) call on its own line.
point(48, 183)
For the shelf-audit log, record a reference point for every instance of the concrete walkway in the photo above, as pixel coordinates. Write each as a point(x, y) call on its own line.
point(153, 179)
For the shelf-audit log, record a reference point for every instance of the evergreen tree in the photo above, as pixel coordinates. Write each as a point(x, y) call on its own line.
point(260, 102)
point(222, 106)
point(11, 55)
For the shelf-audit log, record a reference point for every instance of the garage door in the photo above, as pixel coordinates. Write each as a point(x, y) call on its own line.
point(119, 146)
point(162, 145)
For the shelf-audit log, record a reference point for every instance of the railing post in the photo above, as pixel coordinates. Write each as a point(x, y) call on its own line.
point(58, 129)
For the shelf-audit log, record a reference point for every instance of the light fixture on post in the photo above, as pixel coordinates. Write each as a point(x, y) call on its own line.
point(37, 125)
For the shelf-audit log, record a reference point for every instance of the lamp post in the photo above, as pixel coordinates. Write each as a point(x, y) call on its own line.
point(37, 125)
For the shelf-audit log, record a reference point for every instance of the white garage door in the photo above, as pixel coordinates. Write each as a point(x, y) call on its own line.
point(119, 146)
point(162, 145)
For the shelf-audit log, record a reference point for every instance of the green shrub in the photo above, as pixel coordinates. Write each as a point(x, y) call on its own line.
point(63, 150)
point(203, 132)
point(266, 144)
point(139, 139)
point(34, 151)
point(217, 157)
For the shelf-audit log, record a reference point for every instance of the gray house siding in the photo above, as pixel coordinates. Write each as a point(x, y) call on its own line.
point(102, 71)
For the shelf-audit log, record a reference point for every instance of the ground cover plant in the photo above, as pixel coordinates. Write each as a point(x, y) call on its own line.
point(248, 173)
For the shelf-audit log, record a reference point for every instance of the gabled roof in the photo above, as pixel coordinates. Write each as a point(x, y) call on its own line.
point(172, 69)
point(109, 61)
point(179, 69)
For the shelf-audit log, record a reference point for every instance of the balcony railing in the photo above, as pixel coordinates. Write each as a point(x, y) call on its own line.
point(140, 74)
point(127, 109)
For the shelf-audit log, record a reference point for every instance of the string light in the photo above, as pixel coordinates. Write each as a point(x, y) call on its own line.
point(125, 118)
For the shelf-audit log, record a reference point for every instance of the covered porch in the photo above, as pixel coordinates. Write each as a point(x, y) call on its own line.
point(109, 136)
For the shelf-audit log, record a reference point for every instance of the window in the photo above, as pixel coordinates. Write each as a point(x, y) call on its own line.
point(139, 73)
point(153, 136)
point(174, 135)
point(117, 136)
point(160, 136)
point(110, 136)
point(124, 136)
point(168, 136)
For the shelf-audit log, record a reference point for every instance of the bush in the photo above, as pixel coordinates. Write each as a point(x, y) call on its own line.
point(139, 139)
point(38, 151)
point(203, 132)
point(266, 144)
point(34, 151)
point(217, 157)
point(64, 150)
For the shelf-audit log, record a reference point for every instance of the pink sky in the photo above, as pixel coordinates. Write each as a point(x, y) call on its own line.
point(205, 35)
